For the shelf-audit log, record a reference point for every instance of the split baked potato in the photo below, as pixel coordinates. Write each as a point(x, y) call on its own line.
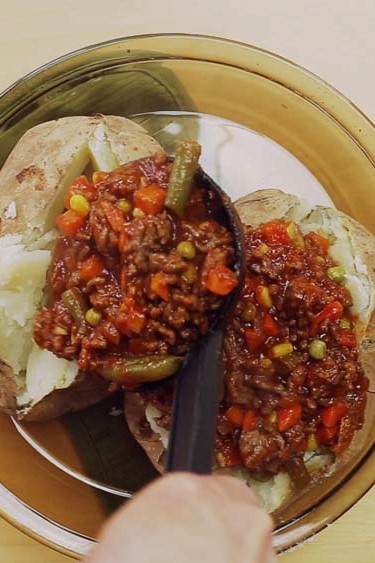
point(35, 384)
point(352, 246)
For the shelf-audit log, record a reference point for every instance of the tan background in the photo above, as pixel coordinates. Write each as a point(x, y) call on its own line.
point(334, 39)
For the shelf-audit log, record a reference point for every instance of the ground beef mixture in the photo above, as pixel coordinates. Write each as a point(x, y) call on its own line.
point(293, 382)
point(293, 379)
point(121, 284)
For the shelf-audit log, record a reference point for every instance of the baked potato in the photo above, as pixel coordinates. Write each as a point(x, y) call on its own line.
point(35, 384)
point(353, 247)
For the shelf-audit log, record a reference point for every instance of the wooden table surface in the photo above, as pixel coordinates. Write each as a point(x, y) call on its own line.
point(333, 39)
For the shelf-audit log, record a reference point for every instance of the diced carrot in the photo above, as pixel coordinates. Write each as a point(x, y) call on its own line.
point(130, 319)
point(275, 232)
point(333, 414)
point(150, 199)
point(254, 339)
point(288, 416)
point(221, 280)
point(333, 312)
point(269, 325)
point(326, 435)
point(110, 332)
point(249, 420)
point(70, 222)
point(159, 285)
point(317, 240)
point(235, 415)
point(90, 268)
point(346, 337)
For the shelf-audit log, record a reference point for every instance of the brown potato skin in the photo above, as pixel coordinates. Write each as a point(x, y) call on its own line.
point(254, 209)
point(30, 177)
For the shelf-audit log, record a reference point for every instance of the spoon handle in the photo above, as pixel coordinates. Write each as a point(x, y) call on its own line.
point(195, 405)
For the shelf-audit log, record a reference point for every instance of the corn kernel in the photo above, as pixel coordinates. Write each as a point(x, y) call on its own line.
point(295, 234)
point(312, 443)
point(59, 331)
point(263, 296)
point(345, 323)
point(272, 418)
point(137, 213)
point(261, 250)
point(99, 176)
point(79, 204)
point(281, 350)
point(190, 274)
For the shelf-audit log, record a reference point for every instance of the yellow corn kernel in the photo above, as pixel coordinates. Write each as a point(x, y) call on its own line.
point(295, 234)
point(220, 459)
point(280, 350)
point(261, 250)
point(312, 443)
point(99, 176)
point(190, 274)
point(59, 331)
point(263, 296)
point(272, 418)
point(320, 260)
point(79, 204)
point(125, 205)
point(137, 212)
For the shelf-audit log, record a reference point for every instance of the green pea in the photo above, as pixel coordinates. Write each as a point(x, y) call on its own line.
point(125, 205)
point(336, 274)
point(186, 249)
point(93, 317)
point(249, 313)
point(318, 349)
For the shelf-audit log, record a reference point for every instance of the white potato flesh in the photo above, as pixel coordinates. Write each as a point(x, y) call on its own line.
point(45, 372)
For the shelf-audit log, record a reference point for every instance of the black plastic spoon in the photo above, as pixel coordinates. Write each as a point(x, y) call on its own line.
point(200, 380)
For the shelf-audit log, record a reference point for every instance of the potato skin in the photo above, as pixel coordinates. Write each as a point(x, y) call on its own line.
point(31, 178)
point(33, 172)
point(256, 208)
point(134, 409)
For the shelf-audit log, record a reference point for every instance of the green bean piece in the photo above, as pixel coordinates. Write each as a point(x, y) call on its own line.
point(141, 370)
point(76, 304)
point(181, 180)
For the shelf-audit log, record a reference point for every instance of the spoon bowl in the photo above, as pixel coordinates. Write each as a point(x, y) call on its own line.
point(199, 383)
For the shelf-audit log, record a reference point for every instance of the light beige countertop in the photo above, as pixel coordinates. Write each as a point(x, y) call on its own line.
point(334, 39)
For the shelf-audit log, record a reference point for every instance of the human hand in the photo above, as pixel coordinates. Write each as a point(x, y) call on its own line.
point(183, 518)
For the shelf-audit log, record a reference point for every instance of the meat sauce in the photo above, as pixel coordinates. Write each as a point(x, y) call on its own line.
point(292, 373)
point(293, 381)
point(120, 282)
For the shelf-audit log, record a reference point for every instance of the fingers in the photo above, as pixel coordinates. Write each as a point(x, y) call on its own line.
point(183, 517)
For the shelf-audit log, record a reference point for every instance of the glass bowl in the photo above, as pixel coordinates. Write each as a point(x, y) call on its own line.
point(274, 124)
